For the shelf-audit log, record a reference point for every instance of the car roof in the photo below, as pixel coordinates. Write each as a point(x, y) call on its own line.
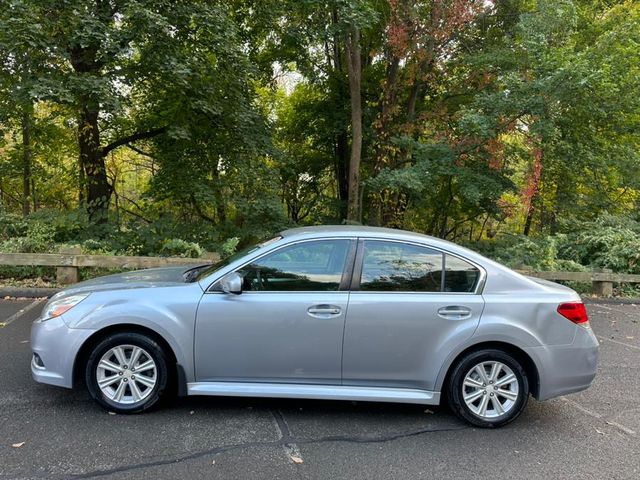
point(362, 231)
point(323, 231)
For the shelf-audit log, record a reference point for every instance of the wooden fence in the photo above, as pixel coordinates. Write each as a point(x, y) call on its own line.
point(68, 263)
point(601, 281)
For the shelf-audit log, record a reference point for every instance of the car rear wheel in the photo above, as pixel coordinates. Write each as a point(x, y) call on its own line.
point(488, 388)
point(127, 373)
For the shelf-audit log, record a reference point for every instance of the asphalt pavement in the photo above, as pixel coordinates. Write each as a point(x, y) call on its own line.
point(48, 432)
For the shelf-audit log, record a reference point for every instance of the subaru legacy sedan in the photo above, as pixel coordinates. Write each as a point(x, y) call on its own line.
point(336, 312)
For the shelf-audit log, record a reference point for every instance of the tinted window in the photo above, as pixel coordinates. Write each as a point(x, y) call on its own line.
point(393, 266)
point(204, 272)
point(460, 276)
point(308, 266)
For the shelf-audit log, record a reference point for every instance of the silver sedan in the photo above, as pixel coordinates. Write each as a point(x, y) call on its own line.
point(341, 313)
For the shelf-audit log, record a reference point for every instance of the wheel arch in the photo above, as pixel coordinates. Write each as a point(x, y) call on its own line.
point(529, 365)
point(177, 375)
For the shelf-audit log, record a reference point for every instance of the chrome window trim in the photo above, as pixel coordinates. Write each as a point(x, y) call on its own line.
point(478, 290)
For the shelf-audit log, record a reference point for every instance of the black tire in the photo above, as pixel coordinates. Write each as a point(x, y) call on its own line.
point(455, 389)
point(151, 348)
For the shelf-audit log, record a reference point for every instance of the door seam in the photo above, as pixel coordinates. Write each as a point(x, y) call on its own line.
point(344, 329)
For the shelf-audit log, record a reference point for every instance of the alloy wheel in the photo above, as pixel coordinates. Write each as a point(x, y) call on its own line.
point(490, 389)
point(126, 374)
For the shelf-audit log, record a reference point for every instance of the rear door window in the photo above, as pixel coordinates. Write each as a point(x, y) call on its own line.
point(400, 267)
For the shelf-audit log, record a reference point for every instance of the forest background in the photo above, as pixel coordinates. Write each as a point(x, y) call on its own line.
point(164, 127)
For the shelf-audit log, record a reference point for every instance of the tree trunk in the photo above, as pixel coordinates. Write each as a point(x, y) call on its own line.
point(97, 187)
point(531, 192)
point(529, 219)
point(342, 172)
point(86, 62)
point(26, 162)
point(354, 64)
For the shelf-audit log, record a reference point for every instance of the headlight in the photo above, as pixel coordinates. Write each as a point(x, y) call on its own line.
point(56, 308)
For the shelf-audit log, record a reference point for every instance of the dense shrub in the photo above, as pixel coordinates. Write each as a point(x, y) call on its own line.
point(607, 242)
point(520, 252)
point(181, 248)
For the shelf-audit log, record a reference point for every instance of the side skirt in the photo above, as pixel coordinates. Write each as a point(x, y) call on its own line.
point(319, 392)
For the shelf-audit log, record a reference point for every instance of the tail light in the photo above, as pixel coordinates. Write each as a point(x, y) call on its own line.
point(574, 311)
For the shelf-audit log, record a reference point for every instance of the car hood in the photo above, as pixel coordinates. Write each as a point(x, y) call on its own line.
point(152, 277)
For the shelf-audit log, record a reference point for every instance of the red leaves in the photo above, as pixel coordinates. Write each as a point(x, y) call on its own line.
point(533, 181)
point(494, 148)
point(397, 31)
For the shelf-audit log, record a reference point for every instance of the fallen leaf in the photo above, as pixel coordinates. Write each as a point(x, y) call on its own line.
point(18, 445)
point(295, 459)
point(24, 341)
point(191, 412)
point(630, 338)
point(111, 413)
point(599, 432)
point(213, 462)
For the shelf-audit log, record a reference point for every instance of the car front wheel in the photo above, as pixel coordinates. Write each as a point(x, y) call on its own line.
point(127, 373)
point(488, 388)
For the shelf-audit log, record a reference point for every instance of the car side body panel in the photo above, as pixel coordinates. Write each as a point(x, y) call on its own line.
point(270, 337)
point(399, 339)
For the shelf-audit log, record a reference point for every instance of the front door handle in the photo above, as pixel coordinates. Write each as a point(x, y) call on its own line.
point(454, 312)
point(324, 311)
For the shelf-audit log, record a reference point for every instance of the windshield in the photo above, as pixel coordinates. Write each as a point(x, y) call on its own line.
point(232, 258)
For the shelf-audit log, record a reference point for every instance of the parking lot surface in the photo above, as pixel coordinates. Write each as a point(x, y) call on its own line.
point(47, 432)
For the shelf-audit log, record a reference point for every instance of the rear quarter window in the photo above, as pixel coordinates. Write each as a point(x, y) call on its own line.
point(459, 275)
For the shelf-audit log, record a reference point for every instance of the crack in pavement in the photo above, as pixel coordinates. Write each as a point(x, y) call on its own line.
point(291, 450)
point(286, 439)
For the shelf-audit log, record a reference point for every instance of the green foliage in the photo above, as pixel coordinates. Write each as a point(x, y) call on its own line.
point(606, 242)
point(180, 248)
point(512, 126)
point(229, 247)
point(521, 252)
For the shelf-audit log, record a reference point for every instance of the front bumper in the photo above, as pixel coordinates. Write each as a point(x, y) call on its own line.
point(566, 369)
point(56, 345)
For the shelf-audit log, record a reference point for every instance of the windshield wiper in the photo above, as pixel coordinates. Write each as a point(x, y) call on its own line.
point(192, 274)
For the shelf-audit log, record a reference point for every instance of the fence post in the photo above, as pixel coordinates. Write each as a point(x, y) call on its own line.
point(603, 289)
point(68, 274)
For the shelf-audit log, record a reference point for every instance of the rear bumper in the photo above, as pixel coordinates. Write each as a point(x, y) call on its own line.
point(56, 346)
point(567, 368)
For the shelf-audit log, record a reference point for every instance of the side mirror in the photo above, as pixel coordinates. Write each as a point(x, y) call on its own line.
point(231, 283)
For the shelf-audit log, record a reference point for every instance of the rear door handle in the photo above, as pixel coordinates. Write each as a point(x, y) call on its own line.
point(454, 312)
point(324, 311)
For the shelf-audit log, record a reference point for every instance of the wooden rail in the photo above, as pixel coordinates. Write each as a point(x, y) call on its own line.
point(602, 281)
point(68, 263)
